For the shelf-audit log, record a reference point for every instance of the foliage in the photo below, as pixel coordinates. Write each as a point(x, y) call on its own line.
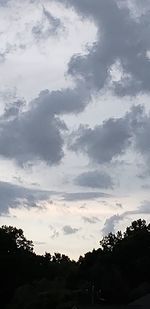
point(115, 273)
point(13, 240)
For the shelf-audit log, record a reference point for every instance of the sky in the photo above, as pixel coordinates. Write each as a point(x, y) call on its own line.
point(74, 119)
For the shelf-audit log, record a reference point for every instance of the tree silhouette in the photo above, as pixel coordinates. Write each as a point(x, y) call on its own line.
point(13, 240)
point(116, 272)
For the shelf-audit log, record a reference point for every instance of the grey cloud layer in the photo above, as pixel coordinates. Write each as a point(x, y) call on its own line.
point(94, 179)
point(120, 38)
point(83, 196)
point(111, 222)
point(12, 196)
point(104, 142)
point(36, 134)
point(113, 137)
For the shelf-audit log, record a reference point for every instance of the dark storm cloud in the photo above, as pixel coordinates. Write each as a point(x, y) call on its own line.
point(120, 38)
point(36, 134)
point(81, 196)
point(13, 196)
point(91, 220)
point(68, 230)
point(111, 222)
point(94, 179)
point(49, 25)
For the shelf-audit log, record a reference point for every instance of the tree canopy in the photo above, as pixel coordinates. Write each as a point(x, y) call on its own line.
point(12, 240)
point(117, 272)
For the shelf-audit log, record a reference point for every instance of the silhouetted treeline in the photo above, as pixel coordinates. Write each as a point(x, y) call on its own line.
point(117, 272)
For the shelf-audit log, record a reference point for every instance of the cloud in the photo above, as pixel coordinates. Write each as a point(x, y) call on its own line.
point(36, 134)
point(81, 196)
point(121, 38)
point(142, 140)
point(54, 232)
point(91, 220)
point(8, 49)
point(21, 33)
point(119, 205)
point(68, 230)
point(104, 142)
point(111, 222)
point(4, 2)
point(13, 196)
point(146, 186)
point(112, 139)
point(4, 54)
point(49, 25)
point(30, 137)
point(94, 179)
point(139, 7)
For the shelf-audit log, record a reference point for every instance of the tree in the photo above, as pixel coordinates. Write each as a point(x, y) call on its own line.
point(109, 242)
point(12, 240)
point(136, 227)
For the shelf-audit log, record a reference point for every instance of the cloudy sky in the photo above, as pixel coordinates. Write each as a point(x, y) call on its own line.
point(74, 119)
